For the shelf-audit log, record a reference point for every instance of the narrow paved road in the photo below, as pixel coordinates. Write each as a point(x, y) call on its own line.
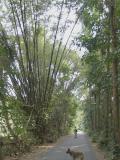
point(81, 143)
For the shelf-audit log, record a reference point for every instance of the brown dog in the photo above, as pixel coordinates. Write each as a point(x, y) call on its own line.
point(75, 154)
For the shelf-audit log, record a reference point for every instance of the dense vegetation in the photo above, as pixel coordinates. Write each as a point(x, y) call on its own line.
point(101, 38)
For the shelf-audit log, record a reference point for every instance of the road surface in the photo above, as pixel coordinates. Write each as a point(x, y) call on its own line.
point(81, 143)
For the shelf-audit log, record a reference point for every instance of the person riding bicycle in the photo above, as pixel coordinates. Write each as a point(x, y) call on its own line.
point(75, 132)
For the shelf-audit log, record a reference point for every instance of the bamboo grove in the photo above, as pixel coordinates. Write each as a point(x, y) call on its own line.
point(37, 73)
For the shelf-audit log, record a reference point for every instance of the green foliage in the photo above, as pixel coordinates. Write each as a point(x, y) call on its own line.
point(116, 152)
point(100, 37)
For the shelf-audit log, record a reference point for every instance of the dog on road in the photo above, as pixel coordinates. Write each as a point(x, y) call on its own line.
point(76, 155)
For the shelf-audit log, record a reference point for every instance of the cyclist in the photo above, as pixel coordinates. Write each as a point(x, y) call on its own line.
point(75, 132)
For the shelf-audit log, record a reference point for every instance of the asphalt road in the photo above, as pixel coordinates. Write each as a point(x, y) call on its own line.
point(81, 143)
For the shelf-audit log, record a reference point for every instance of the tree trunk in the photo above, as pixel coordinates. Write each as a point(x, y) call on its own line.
point(115, 98)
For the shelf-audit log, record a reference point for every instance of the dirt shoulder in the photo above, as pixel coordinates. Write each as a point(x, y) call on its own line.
point(36, 151)
point(100, 155)
point(33, 154)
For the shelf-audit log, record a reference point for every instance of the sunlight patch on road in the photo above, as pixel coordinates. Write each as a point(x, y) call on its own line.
point(47, 146)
